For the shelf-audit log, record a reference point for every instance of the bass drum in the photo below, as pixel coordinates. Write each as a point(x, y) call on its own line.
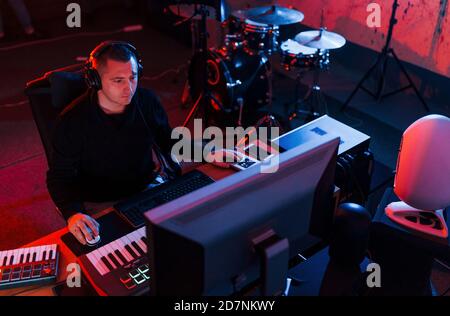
point(234, 78)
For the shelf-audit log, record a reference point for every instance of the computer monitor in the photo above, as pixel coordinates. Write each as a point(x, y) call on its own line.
point(243, 229)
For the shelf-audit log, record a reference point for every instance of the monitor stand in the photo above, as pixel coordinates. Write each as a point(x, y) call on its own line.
point(274, 258)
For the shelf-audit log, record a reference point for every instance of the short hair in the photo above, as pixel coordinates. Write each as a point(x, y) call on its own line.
point(117, 52)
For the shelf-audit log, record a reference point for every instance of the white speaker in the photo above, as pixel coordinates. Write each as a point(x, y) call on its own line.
point(422, 179)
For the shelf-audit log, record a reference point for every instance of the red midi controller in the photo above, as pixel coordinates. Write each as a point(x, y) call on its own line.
point(28, 266)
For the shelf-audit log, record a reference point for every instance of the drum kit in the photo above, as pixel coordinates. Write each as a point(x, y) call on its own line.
point(233, 82)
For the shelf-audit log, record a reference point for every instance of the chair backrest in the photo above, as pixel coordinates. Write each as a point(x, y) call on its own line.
point(49, 95)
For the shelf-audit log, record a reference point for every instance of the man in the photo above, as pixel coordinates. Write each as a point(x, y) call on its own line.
point(102, 145)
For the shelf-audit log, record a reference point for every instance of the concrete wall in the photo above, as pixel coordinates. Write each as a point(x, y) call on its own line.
point(421, 36)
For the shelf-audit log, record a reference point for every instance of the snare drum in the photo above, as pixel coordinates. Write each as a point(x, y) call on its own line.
point(260, 38)
point(295, 55)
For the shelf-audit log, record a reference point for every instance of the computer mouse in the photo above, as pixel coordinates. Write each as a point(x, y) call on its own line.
point(93, 241)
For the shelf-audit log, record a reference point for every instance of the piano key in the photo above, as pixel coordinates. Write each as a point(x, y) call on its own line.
point(132, 236)
point(140, 231)
point(39, 254)
point(137, 239)
point(131, 252)
point(11, 259)
point(20, 256)
point(6, 258)
point(142, 244)
point(131, 249)
point(101, 267)
point(32, 251)
point(49, 254)
point(33, 259)
point(3, 258)
point(113, 256)
point(27, 254)
point(54, 249)
point(95, 262)
point(123, 250)
point(104, 254)
point(135, 249)
point(118, 249)
point(23, 255)
point(107, 263)
point(138, 248)
point(46, 253)
point(144, 239)
point(121, 257)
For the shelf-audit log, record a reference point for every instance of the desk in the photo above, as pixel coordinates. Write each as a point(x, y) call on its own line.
point(65, 254)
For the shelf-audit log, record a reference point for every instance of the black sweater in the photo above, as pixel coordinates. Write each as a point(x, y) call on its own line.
point(99, 157)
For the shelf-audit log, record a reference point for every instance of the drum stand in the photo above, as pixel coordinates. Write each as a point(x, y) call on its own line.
point(314, 104)
point(269, 119)
point(195, 48)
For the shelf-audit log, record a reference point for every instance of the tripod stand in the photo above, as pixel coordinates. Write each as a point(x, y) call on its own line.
point(205, 97)
point(381, 63)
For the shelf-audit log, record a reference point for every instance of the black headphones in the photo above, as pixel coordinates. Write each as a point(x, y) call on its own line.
point(91, 75)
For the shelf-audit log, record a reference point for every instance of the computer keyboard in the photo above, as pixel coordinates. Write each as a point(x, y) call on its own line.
point(132, 209)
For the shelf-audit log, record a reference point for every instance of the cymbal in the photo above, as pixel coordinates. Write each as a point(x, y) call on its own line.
point(273, 15)
point(240, 15)
point(320, 39)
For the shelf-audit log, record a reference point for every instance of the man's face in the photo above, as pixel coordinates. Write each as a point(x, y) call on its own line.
point(119, 81)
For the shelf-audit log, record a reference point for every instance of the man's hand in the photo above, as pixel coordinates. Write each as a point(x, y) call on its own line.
point(83, 227)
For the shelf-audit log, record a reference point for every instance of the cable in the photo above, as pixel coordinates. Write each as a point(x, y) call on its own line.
point(442, 264)
point(21, 160)
point(156, 77)
point(11, 105)
point(125, 29)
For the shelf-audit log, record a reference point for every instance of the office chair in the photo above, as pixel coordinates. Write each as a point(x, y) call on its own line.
point(49, 95)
